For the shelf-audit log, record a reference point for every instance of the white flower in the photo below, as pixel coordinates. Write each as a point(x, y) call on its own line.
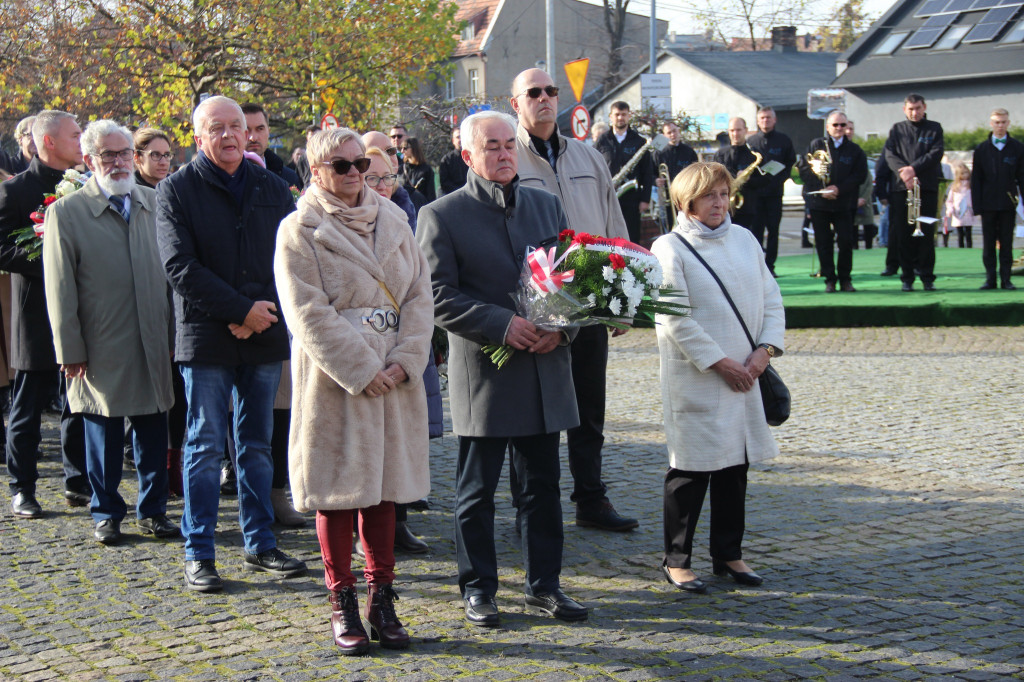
point(655, 294)
point(627, 276)
point(631, 310)
point(606, 290)
point(615, 305)
point(608, 273)
point(592, 299)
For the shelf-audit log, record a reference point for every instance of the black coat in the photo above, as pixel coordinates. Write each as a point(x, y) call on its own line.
point(618, 155)
point(219, 259)
point(676, 158)
point(452, 170)
point(919, 145)
point(738, 158)
point(13, 164)
point(997, 179)
point(31, 336)
point(420, 177)
point(774, 146)
point(849, 170)
point(276, 166)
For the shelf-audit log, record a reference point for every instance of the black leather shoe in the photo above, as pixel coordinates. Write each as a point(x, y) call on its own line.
point(907, 286)
point(830, 288)
point(274, 561)
point(1008, 286)
point(557, 604)
point(108, 531)
point(603, 516)
point(987, 286)
point(847, 286)
point(742, 577)
point(419, 505)
point(228, 482)
point(25, 506)
point(77, 498)
point(160, 526)
point(482, 611)
point(407, 542)
point(696, 585)
point(201, 575)
point(928, 286)
point(887, 273)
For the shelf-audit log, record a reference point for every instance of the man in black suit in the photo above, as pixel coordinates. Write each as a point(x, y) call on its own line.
point(618, 146)
point(57, 136)
point(767, 206)
point(997, 183)
point(475, 240)
point(452, 168)
point(831, 195)
point(737, 157)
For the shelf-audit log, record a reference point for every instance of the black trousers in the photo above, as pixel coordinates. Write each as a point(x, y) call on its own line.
point(684, 497)
point(767, 215)
point(997, 226)
point(916, 254)
point(630, 205)
point(535, 459)
point(30, 394)
point(836, 268)
point(589, 351)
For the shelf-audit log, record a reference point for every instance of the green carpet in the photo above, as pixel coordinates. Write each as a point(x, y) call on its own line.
point(878, 301)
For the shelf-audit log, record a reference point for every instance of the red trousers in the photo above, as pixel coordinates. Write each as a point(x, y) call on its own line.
point(377, 532)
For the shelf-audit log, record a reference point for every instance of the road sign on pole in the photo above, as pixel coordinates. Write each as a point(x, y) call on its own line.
point(328, 121)
point(577, 73)
point(580, 122)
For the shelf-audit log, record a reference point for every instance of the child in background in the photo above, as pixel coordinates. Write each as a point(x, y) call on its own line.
point(959, 212)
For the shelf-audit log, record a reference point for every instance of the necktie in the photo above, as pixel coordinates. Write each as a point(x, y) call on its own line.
point(117, 202)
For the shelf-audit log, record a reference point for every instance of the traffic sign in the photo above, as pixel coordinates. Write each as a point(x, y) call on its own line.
point(328, 121)
point(577, 73)
point(580, 122)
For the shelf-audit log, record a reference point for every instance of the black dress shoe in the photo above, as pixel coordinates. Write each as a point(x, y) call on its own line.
point(482, 611)
point(201, 575)
point(603, 516)
point(1008, 286)
point(419, 505)
point(108, 531)
point(407, 542)
point(696, 585)
point(847, 286)
point(928, 286)
point(160, 526)
point(830, 288)
point(986, 286)
point(557, 604)
point(907, 286)
point(77, 498)
point(228, 482)
point(25, 506)
point(274, 561)
point(742, 577)
point(887, 273)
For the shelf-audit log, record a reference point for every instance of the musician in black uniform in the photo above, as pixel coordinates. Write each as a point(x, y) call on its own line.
point(832, 204)
point(618, 146)
point(914, 150)
point(677, 156)
point(767, 206)
point(737, 157)
point(997, 183)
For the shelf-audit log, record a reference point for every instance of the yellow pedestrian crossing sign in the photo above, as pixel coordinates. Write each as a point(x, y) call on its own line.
point(577, 73)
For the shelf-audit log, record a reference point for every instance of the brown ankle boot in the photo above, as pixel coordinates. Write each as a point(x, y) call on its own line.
point(380, 614)
point(174, 485)
point(349, 634)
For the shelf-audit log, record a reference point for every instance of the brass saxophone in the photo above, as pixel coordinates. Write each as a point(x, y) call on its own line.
point(735, 197)
point(619, 181)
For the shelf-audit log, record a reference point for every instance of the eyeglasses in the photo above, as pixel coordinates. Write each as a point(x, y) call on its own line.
point(392, 151)
point(838, 125)
point(534, 93)
point(388, 180)
point(122, 155)
point(342, 166)
point(157, 156)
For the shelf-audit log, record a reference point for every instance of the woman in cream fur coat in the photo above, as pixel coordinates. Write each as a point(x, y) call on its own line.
point(714, 419)
point(355, 292)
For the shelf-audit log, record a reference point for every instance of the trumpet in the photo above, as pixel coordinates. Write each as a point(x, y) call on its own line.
point(735, 197)
point(914, 208)
point(820, 161)
point(665, 208)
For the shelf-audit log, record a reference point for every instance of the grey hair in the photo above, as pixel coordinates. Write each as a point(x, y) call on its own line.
point(24, 127)
point(97, 130)
point(321, 143)
point(836, 112)
point(199, 113)
point(471, 124)
point(47, 123)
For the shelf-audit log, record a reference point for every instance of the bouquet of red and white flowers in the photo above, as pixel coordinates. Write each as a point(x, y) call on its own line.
point(587, 280)
point(31, 238)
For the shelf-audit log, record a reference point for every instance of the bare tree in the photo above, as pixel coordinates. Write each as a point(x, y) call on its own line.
point(615, 23)
point(752, 19)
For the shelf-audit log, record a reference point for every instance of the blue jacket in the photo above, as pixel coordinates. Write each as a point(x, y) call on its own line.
point(219, 259)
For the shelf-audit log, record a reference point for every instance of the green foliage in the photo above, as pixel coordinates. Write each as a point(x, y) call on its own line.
point(964, 140)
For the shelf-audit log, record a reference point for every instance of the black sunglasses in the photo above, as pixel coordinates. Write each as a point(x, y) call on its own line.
point(534, 93)
point(838, 125)
point(342, 166)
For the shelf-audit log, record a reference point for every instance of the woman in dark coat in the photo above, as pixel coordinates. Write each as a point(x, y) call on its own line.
point(417, 172)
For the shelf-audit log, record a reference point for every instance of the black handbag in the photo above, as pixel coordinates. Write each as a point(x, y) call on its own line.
point(774, 392)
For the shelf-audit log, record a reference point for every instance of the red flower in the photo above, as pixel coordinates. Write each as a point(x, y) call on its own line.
point(566, 235)
point(50, 198)
point(584, 238)
point(618, 262)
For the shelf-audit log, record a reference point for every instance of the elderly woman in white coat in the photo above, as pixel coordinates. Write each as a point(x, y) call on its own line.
point(714, 419)
point(355, 291)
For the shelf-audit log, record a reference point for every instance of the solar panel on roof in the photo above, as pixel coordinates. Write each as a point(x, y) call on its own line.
point(984, 32)
point(959, 5)
point(999, 14)
point(939, 21)
point(923, 37)
point(1002, 3)
point(984, 4)
point(933, 7)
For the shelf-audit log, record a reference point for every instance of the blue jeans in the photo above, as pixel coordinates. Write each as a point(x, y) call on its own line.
point(208, 389)
point(104, 450)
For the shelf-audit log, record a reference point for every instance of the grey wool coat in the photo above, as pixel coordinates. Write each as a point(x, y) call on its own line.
point(475, 241)
point(108, 302)
point(347, 450)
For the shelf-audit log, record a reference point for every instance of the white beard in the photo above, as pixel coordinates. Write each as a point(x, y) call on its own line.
point(111, 186)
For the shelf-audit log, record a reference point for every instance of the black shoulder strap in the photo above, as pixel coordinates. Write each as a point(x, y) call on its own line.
point(728, 298)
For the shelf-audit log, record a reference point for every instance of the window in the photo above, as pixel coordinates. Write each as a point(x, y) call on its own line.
point(891, 42)
point(952, 38)
point(474, 82)
point(1017, 34)
point(449, 88)
point(468, 32)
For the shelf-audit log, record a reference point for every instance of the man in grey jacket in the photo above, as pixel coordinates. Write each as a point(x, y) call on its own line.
point(476, 241)
point(579, 177)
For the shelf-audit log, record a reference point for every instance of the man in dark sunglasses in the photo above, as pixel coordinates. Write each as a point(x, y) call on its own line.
point(577, 174)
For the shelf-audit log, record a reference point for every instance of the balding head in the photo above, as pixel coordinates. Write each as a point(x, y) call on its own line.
point(737, 131)
point(535, 100)
point(375, 138)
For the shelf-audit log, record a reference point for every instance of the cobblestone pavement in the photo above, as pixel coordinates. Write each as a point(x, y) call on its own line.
point(888, 533)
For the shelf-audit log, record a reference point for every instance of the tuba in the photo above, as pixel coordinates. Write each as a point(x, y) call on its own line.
point(914, 208)
point(735, 197)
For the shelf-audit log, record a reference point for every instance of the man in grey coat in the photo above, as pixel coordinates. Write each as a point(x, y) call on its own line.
point(476, 241)
point(107, 300)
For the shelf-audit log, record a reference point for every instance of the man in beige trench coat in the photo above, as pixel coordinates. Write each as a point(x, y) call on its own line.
point(107, 299)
